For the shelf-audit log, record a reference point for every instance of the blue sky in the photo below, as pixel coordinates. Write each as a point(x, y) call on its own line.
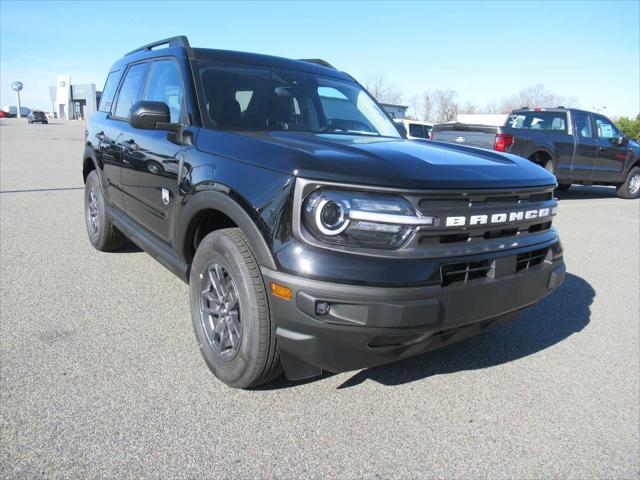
point(484, 51)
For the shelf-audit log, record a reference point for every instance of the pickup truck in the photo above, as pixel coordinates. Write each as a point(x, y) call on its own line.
point(575, 145)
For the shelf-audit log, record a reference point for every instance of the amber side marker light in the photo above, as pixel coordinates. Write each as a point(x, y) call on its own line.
point(281, 291)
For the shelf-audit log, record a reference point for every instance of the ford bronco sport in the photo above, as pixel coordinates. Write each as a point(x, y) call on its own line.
point(312, 234)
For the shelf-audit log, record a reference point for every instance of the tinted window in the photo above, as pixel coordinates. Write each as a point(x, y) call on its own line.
point(165, 85)
point(252, 98)
point(109, 91)
point(583, 125)
point(131, 90)
point(606, 129)
point(416, 130)
point(556, 121)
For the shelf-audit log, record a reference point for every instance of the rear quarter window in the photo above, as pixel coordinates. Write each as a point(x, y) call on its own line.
point(109, 91)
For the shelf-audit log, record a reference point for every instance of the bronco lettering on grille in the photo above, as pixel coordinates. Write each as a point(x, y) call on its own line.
point(497, 218)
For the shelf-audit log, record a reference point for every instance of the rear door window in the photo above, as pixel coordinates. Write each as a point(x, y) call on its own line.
point(109, 91)
point(583, 125)
point(131, 89)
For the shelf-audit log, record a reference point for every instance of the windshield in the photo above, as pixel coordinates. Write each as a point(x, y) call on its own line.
point(257, 99)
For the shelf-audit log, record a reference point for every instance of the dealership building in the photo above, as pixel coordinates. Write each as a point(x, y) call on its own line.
point(73, 101)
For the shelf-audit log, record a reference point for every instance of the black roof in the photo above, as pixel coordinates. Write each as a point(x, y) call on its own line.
point(180, 47)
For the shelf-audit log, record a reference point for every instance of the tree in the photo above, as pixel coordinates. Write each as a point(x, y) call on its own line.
point(630, 127)
point(422, 106)
point(445, 106)
point(382, 90)
point(535, 96)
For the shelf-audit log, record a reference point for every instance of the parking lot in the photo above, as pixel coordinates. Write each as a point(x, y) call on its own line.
point(101, 375)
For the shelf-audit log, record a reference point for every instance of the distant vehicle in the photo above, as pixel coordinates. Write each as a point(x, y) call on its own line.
point(415, 129)
point(575, 145)
point(51, 115)
point(4, 114)
point(37, 116)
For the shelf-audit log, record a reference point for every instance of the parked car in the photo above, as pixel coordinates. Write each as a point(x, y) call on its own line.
point(312, 235)
point(415, 129)
point(37, 116)
point(575, 145)
point(5, 114)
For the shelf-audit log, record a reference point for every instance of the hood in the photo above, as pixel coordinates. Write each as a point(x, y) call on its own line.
point(378, 161)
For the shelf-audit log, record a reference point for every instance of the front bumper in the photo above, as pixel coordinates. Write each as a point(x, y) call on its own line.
point(368, 326)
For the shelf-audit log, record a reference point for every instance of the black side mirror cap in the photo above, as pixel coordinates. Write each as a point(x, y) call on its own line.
point(145, 114)
point(624, 140)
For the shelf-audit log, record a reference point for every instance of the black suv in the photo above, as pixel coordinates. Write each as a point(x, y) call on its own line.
point(312, 234)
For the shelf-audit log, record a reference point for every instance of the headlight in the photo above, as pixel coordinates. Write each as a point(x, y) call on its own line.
point(361, 219)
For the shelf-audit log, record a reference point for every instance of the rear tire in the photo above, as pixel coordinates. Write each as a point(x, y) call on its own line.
point(103, 235)
point(630, 189)
point(230, 311)
point(549, 167)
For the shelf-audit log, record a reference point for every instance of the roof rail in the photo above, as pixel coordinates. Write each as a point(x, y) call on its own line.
point(318, 61)
point(179, 41)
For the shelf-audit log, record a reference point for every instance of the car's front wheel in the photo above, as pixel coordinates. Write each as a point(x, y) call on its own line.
point(230, 311)
point(630, 189)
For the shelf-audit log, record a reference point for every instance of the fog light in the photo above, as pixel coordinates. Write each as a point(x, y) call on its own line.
point(322, 308)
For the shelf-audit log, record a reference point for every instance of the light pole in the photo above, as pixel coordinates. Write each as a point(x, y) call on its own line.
point(17, 86)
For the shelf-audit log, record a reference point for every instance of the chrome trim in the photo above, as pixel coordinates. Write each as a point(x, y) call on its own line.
point(390, 218)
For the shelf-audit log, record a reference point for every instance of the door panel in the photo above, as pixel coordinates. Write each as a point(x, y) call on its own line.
point(610, 162)
point(586, 147)
point(150, 168)
point(107, 137)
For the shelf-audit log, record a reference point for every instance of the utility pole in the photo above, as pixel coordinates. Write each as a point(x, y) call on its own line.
point(17, 86)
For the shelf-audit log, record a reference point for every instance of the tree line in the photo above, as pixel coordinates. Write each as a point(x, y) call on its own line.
point(443, 105)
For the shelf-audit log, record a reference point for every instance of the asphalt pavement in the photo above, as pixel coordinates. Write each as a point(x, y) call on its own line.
point(100, 375)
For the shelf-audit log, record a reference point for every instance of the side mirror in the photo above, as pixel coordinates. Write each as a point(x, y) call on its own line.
point(146, 115)
point(624, 140)
point(402, 129)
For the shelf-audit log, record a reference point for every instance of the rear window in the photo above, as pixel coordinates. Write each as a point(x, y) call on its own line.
point(416, 130)
point(553, 121)
point(109, 91)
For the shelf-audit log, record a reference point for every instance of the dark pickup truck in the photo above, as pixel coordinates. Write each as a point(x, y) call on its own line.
point(575, 145)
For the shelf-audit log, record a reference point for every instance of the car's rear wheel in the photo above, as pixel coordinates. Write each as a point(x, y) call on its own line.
point(103, 235)
point(230, 311)
point(630, 189)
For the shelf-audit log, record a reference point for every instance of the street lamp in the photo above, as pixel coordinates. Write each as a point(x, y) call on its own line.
point(17, 86)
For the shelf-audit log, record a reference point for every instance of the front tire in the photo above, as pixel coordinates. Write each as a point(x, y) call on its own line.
point(630, 189)
point(103, 235)
point(230, 311)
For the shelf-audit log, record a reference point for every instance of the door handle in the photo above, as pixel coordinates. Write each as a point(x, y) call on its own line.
point(602, 149)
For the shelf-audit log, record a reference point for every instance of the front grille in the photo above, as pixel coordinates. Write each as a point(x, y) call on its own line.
point(480, 203)
point(528, 260)
point(463, 272)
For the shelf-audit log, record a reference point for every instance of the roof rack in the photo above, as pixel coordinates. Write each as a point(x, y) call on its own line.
point(318, 61)
point(179, 41)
